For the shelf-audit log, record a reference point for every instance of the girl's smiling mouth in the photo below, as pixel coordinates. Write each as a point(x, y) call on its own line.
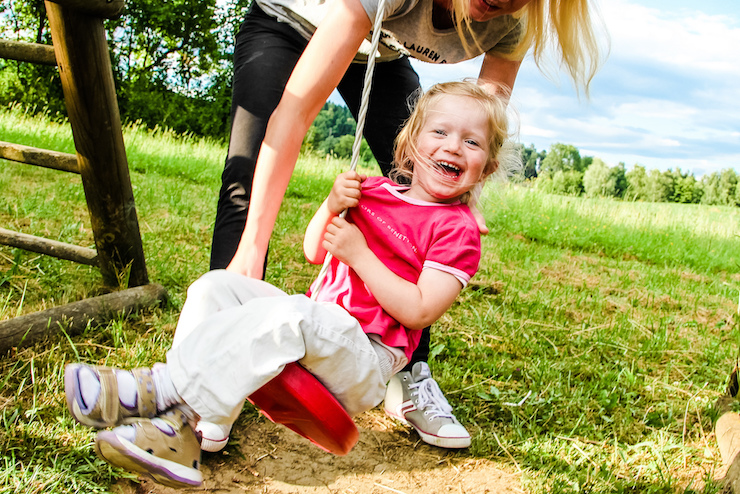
point(447, 169)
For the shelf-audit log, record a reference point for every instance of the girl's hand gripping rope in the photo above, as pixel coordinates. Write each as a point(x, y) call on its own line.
point(345, 193)
point(345, 242)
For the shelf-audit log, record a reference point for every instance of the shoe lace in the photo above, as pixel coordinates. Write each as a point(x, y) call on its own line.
point(431, 399)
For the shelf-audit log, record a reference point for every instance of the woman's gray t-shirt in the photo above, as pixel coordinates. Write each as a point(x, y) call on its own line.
point(407, 30)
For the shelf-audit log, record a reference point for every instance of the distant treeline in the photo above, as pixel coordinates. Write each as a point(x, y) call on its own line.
point(563, 171)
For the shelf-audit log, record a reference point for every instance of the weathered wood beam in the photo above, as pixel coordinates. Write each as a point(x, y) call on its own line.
point(108, 9)
point(53, 248)
point(27, 52)
point(74, 318)
point(90, 96)
point(727, 432)
point(40, 157)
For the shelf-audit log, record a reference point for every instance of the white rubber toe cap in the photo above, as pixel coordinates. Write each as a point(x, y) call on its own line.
point(214, 437)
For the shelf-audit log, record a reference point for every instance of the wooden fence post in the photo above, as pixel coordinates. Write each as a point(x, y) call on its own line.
point(87, 80)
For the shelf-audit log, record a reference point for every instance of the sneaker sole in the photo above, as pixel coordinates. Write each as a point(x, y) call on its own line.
point(441, 442)
point(122, 453)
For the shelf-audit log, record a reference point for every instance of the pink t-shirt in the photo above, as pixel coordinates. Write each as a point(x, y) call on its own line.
point(408, 235)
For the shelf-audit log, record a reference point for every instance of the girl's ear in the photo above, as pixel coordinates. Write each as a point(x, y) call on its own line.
point(490, 169)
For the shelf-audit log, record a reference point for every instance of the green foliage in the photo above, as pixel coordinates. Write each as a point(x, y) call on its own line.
point(599, 180)
point(637, 184)
point(686, 189)
point(659, 187)
point(531, 160)
point(569, 183)
point(720, 188)
point(154, 105)
point(172, 42)
point(562, 157)
point(171, 62)
point(36, 87)
point(332, 133)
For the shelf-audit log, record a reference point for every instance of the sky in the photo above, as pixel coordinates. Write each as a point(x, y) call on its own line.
point(667, 96)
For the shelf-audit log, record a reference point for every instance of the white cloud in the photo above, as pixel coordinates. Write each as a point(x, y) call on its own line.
point(667, 96)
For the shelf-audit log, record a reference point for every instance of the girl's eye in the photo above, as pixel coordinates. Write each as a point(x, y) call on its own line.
point(472, 142)
point(439, 131)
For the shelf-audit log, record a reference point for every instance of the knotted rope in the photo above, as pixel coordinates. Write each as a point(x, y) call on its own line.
point(367, 83)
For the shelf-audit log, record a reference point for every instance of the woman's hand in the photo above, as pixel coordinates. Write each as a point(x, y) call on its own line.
point(318, 71)
point(243, 264)
point(479, 219)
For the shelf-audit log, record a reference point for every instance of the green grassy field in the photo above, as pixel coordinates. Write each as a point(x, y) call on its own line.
point(587, 353)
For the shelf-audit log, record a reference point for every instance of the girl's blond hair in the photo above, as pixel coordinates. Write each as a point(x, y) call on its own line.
point(501, 159)
point(567, 25)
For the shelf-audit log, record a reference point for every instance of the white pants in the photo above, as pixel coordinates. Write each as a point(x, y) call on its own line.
point(236, 333)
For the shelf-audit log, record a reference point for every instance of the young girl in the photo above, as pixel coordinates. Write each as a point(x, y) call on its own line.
point(400, 257)
point(290, 55)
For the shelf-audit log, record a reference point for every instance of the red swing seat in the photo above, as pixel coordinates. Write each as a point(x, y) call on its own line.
point(296, 399)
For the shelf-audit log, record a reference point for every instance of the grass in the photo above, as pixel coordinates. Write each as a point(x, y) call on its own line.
point(588, 351)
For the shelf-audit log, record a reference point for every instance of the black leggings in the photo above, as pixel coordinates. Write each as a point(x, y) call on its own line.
point(265, 53)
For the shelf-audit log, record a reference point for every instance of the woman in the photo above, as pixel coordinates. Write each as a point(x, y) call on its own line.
point(286, 68)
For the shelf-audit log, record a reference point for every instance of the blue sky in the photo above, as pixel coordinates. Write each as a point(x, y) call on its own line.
point(668, 95)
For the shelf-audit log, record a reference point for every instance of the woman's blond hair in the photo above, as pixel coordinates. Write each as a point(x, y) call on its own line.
point(567, 25)
point(501, 157)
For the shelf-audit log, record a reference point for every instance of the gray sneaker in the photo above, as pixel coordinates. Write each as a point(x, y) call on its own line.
point(415, 399)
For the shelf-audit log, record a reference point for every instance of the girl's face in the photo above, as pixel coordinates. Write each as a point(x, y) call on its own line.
point(453, 144)
point(484, 10)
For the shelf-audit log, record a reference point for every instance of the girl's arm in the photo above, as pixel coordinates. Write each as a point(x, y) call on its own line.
point(317, 73)
point(345, 194)
point(416, 306)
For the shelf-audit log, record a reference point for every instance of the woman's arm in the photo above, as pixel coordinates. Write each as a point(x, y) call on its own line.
point(497, 76)
point(317, 73)
point(415, 305)
point(496, 72)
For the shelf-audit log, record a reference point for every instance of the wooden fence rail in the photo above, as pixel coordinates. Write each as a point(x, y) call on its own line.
point(27, 52)
point(80, 51)
point(48, 247)
point(39, 157)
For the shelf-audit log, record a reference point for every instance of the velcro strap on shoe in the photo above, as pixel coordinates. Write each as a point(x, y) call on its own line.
point(108, 388)
point(146, 401)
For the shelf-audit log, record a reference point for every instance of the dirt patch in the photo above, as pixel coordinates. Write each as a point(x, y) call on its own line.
point(387, 459)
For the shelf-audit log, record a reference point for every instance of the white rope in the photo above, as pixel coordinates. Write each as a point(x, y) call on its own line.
point(375, 40)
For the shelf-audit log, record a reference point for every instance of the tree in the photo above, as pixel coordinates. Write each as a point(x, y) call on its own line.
point(720, 188)
point(530, 160)
point(636, 184)
point(569, 183)
point(686, 189)
point(621, 177)
point(727, 187)
point(599, 180)
point(38, 88)
point(562, 157)
point(171, 61)
point(173, 43)
point(710, 186)
point(658, 187)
